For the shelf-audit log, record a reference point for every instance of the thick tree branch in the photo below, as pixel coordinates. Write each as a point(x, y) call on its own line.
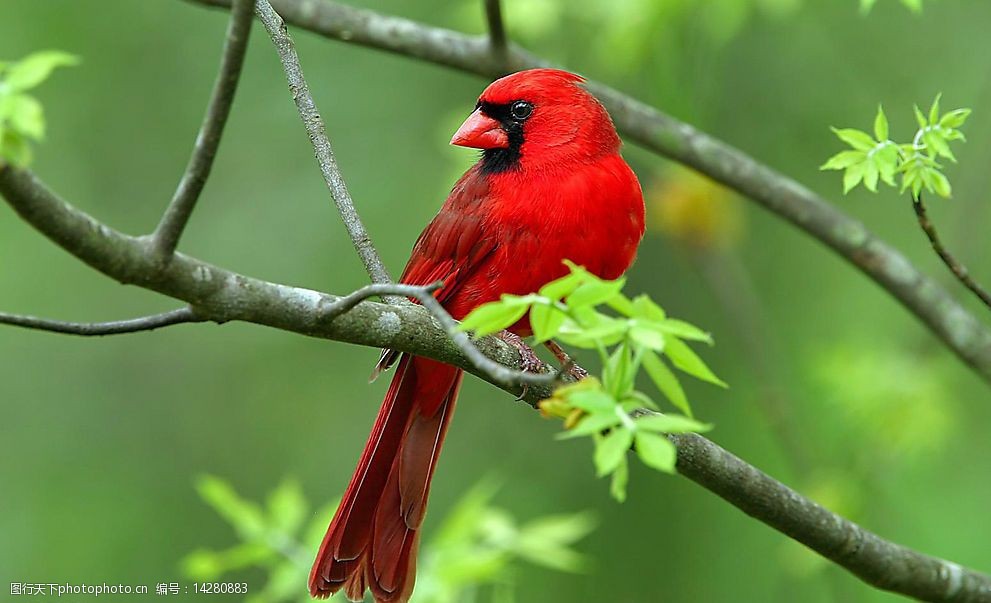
point(959, 270)
point(220, 295)
point(317, 132)
point(169, 231)
point(663, 134)
point(91, 329)
point(500, 374)
point(877, 561)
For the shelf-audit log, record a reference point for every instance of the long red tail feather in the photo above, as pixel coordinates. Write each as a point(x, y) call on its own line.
point(372, 541)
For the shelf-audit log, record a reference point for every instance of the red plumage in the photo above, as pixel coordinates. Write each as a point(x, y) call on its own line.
point(551, 185)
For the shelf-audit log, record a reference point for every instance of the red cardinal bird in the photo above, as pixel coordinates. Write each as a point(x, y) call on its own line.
point(550, 185)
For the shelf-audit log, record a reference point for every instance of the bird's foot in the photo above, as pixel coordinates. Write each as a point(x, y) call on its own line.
point(568, 365)
point(529, 362)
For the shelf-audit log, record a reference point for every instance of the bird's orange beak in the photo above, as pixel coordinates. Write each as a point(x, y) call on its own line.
point(480, 132)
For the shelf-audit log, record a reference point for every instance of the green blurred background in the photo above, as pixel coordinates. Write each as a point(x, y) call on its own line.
point(836, 389)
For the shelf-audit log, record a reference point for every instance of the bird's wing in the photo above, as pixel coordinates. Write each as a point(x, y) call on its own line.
point(455, 241)
point(451, 247)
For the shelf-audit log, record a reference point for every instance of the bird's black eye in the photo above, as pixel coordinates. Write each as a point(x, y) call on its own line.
point(521, 110)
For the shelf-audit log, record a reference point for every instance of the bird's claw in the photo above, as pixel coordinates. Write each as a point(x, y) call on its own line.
point(529, 362)
point(568, 366)
point(574, 371)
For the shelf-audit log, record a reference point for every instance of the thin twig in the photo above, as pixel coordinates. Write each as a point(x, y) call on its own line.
point(658, 132)
point(959, 270)
point(222, 295)
point(98, 329)
point(317, 132)
point(499, 373)
point(497, 31)
point(166, 236)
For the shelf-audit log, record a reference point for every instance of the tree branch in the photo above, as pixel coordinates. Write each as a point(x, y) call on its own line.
point(317, 132)
point(959, 270)
point(497, 31)
point(656, 131)
point(221, 295)
point(500, 374)
point(169, 231)
point(91, 329)
point(873, 559)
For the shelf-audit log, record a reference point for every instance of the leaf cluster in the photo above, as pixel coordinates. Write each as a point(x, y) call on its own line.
point(21, 116)
point(636, 335)
point(877, 158)
point(479, 545)
point(274, 537)
point(476, 545)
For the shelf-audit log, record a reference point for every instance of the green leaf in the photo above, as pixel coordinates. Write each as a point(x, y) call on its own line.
point(591, 400)
point(664, 423)
point(684, 330)
point(595, 423)
point(937, 144)
point(619, 372)
point(688, 361)
point(913, 5)
point(853, 176)
point(887, 163)
point(666, 381)
point(24, 114)
point(621, 304)
point(940, 185)
point(35, 68)
point(920, 118)
point(287, 506)
point(620, 478)
point(934, 110)
point(594, 292)
point(954, 119)
point(610, 450)
point(244, 515)
point(561, 287)
point(492, 317)
point(871, 174)
point(546, 320)
point(14, 149)
point(880, 125)
point(466, 515)
point(540, 543)
point(545, 541)
point(644, 307)
point(843, 160)
point(563, 529)
point(860, 141)
point(913, 181)
point(204, 565)
point(637, 399)
point(609, 331)
point(648, 335)
point(656, 451)
point(524, 301)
